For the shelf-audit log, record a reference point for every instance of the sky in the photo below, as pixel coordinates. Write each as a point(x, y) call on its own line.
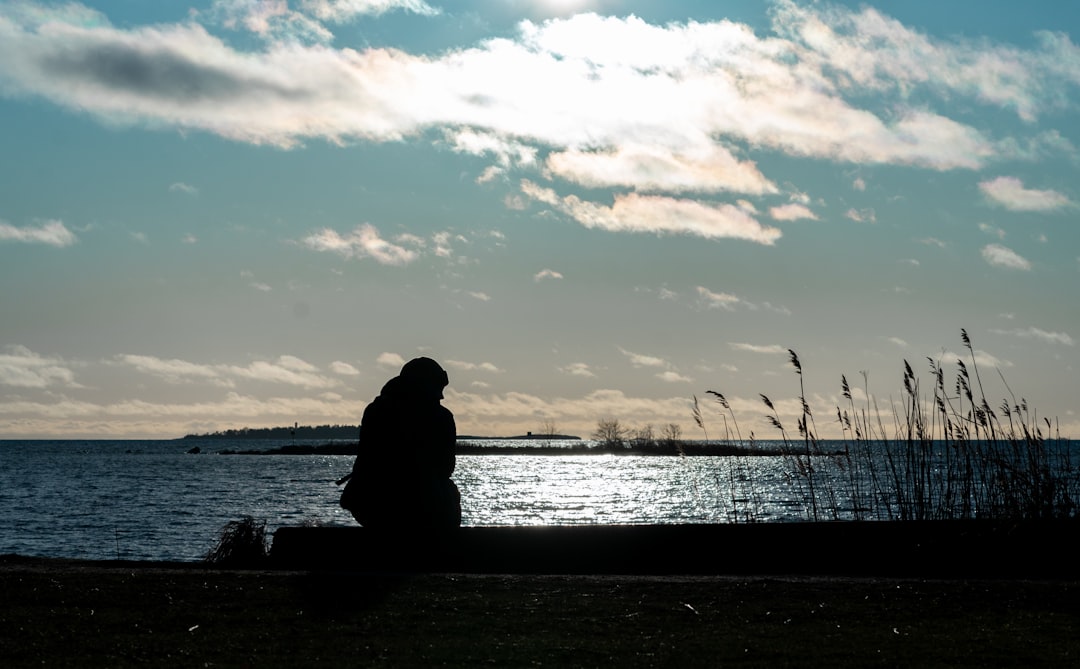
point(248, 213)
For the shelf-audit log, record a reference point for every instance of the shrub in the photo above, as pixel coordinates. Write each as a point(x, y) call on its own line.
point(242, 543)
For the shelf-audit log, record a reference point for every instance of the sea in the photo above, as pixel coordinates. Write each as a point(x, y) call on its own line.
point(155, 500)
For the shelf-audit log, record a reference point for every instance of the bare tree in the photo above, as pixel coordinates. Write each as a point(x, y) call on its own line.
point(547, 428)
point(609, 432)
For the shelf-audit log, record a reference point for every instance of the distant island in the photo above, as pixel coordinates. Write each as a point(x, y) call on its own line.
point(307, 432)
point(294, 432)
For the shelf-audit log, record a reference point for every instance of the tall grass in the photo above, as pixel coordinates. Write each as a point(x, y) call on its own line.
point(947, 455)
point(242, 544)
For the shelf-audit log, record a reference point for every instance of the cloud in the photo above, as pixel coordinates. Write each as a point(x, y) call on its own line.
point(51, 233)
point(477, 413)
point(773, 349)
point(176, 371)
point(578, 369)
point(474, 367)
point(658, 168)
point(658, 215)
point(546, 274)
point(713, 300)
point(673, 377)
point(1001, 256)
point(344, 368)
point(340, 11)
point(873, 52)
point(639, 360)
point(792, 212)
point(363, 242)
point(271, 20)
point(728, 302)
point(22, 368)
point(390, 360)
point(286, 370)
point(181, 187)
point(897, 341)
point(618, 100)
point(861, 215)
point(1040, 335)
point(992, 230)
point(1010, 193)
point(982, 359)
point(66, 417)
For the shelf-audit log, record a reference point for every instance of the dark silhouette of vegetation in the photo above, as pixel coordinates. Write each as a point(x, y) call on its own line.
point(242, 544)
point(947, 456)
point(295, 432)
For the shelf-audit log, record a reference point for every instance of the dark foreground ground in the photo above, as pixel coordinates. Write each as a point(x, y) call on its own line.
point(67, 613)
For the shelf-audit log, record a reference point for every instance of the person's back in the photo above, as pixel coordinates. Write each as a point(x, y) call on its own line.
point(401, 476)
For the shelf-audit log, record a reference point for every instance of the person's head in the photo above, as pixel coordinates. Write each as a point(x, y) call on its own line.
point(426, 376)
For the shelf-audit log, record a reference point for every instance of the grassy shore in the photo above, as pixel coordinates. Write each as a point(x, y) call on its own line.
point(71, 613)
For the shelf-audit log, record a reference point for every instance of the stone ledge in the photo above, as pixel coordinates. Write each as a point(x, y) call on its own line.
point(947, 549)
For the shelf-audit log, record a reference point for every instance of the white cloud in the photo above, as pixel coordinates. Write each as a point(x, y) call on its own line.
point(474, 367)
point(658, 168)
point(1040, 335)
point(65, 417)
point(547, 274)
point(181, 187)
point(286, 370)
point(339, 11)
point(22, 368)
point(177, 371)
point(1010, 193)
point(271, 20)
point(390, 360)
point(639, 360)
point(517, 412)
point(1001, 256)
point(897, 341)
point(772, 349)
point(992, 230)
point(673, 377)
point(792, 212)
point(981, 359)
point(632, 212)
point(726, 301)
point(578, 369)
point(344, 368)
point(859, 184)
point(613, 97)
point(51, 233)
point(713, 300)
point(363, 242)
point(877, 53)
point(861, 215)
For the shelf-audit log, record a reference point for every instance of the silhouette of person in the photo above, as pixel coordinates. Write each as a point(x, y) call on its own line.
point(401, 476)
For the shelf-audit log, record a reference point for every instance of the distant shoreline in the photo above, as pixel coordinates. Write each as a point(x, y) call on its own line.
point(308, 432)
point(584, 448)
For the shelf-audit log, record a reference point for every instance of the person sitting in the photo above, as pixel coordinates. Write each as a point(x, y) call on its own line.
point(401, 475)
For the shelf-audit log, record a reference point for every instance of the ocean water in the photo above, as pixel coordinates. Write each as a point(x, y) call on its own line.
point(151, 500)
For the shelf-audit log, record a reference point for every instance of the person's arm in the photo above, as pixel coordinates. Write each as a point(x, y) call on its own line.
point(449, 445)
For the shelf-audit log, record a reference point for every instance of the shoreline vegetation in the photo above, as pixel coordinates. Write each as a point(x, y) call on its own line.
point(948, 454)
point(474, 446)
